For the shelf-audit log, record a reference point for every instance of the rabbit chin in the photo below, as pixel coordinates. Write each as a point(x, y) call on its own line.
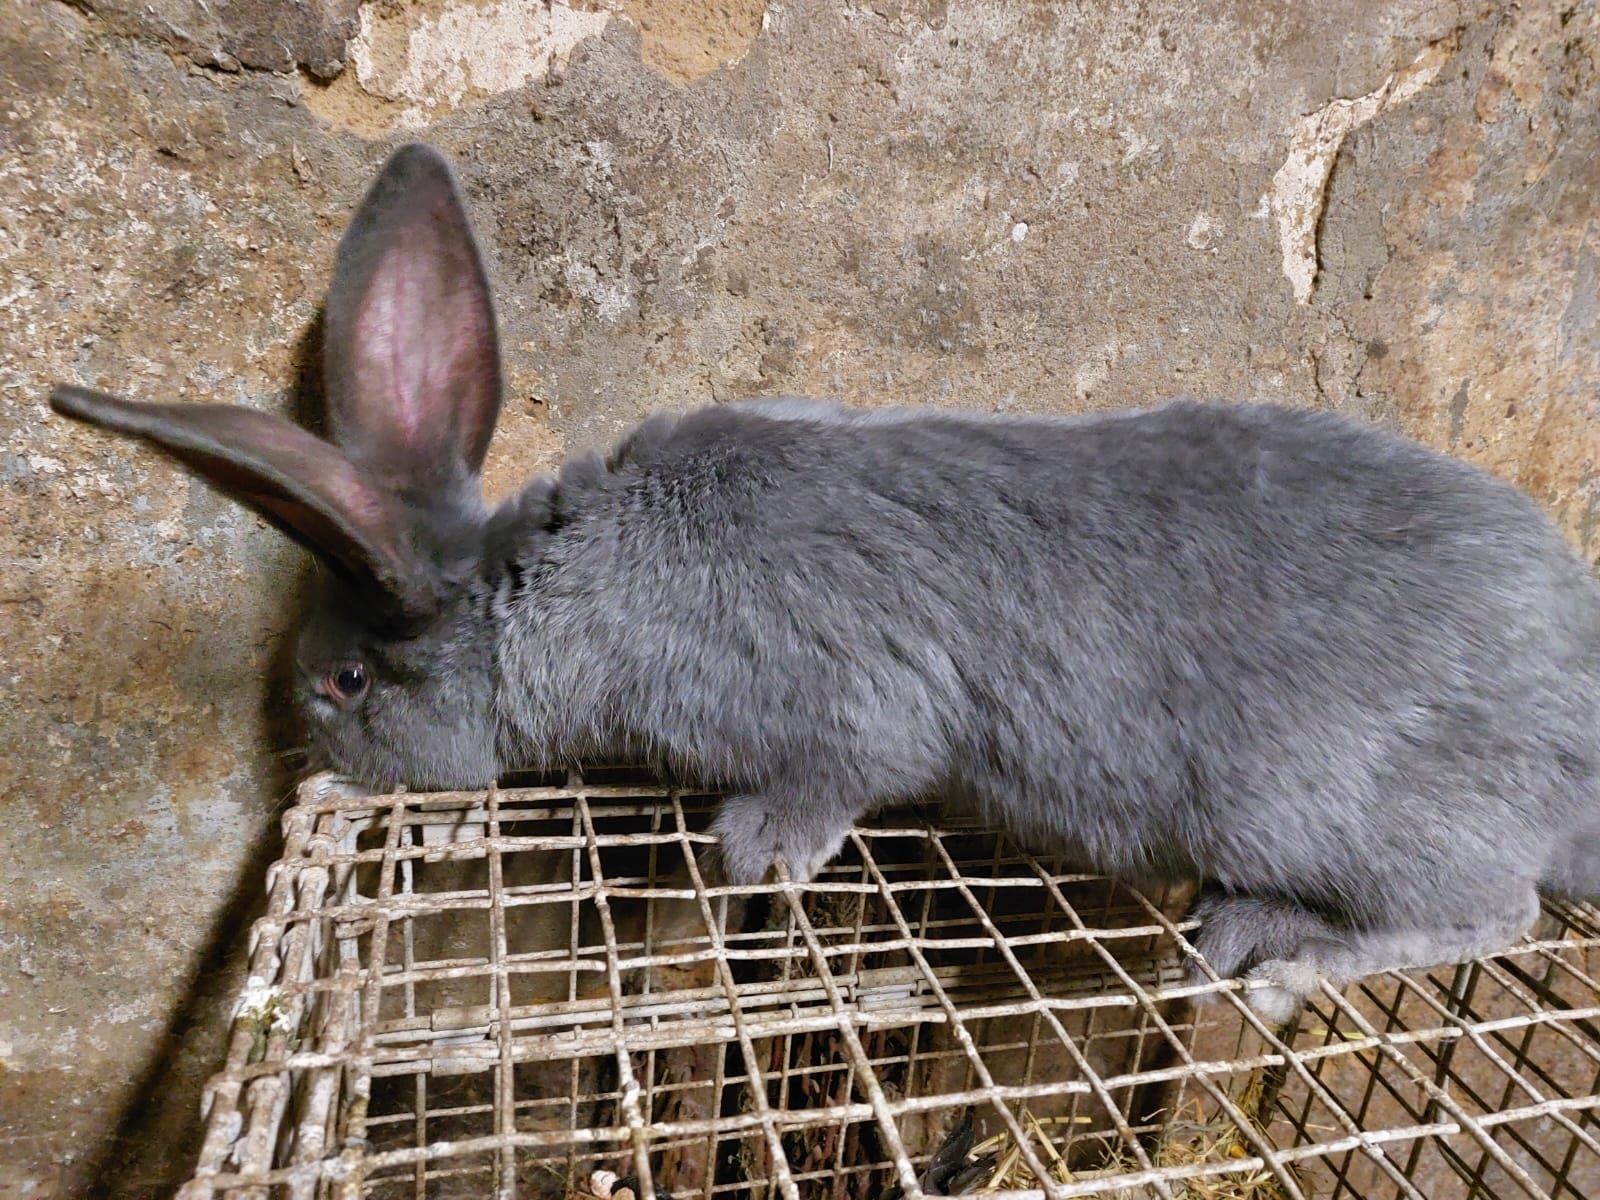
point(443, 760)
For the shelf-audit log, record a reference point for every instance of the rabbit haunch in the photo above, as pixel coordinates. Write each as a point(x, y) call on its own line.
point(1347, 682)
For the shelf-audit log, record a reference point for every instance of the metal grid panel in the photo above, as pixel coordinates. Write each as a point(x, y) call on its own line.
point(504, 992)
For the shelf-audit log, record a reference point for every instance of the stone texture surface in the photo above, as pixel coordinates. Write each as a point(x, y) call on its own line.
point(267, 35)
point(992, 205)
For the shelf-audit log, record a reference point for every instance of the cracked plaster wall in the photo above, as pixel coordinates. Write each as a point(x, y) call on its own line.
point(1386, 208)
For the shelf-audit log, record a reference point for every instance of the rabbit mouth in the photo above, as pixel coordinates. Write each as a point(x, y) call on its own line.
point(317, 759)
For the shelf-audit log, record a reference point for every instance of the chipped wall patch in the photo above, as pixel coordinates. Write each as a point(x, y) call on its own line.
point(610, 299)
point(686, 39)
point(466, 50)
point(409, 65)
point(1300, 185)
point(1095, 370)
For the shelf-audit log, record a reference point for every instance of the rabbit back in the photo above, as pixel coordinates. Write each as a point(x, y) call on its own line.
point(1267, 646)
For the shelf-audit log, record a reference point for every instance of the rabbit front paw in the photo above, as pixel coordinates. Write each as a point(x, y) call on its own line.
point(1291, 982)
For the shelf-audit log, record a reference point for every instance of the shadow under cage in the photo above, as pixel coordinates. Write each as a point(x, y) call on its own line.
point(540, 991)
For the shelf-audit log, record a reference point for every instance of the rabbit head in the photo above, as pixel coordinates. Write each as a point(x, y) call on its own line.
point(395, 667)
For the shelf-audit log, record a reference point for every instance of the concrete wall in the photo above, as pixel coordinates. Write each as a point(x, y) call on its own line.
point(1392, 209)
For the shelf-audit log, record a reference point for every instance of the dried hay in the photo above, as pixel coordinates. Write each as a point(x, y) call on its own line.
point(1188, 1139)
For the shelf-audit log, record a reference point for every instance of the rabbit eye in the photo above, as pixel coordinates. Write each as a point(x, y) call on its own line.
point(345, 683)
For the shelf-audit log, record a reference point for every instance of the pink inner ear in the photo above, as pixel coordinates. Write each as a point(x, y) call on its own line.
point(424, 351)
point(395, 358)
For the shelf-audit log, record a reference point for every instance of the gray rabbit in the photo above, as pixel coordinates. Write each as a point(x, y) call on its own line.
point(1349, 683)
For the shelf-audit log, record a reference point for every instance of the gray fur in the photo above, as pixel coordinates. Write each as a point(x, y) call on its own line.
point(1238, 931)
point(1351, 683)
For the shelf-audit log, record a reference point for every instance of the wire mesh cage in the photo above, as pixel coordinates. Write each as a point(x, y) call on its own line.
point(540, 991)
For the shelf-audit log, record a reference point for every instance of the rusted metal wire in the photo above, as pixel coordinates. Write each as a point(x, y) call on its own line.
point(503, 992)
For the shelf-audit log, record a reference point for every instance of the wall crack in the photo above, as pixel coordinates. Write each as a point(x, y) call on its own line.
point(1300, 185)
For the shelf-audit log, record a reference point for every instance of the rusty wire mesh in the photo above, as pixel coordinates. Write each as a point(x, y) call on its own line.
point(503, 993)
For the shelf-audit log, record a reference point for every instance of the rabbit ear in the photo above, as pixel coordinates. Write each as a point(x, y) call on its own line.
point(296, 480)
point(411, 357)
